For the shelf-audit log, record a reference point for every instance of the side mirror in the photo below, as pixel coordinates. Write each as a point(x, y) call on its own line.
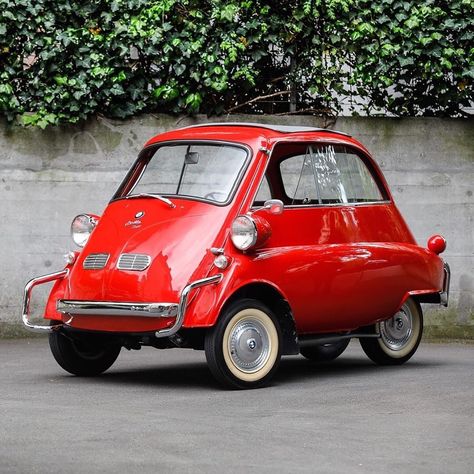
point(273, 206)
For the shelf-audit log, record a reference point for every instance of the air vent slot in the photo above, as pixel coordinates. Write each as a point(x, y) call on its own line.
point(95, 261)
point(133, 262)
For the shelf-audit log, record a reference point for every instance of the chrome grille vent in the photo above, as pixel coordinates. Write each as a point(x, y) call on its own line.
point(133, 261)
point(95, 261)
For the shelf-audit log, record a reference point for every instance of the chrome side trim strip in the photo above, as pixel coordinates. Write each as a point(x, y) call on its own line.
point(27, 298)
point(112, 308)
point(444, 295)
point(336, 204)
point(183, 302)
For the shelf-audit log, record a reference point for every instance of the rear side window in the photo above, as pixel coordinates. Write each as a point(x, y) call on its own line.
point(328, 175)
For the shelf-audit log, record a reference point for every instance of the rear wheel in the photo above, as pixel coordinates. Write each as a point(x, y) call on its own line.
point(325, 352)
point(243, 349)
point(399, 336)
point(82, 357)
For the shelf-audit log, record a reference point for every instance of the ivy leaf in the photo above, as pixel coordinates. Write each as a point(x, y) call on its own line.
point(405, 61)
point(179, 69)
point(228, 12)
point(60, 80)
point(193, 101)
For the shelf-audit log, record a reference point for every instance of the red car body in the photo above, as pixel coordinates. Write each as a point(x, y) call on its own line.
point(336, 267)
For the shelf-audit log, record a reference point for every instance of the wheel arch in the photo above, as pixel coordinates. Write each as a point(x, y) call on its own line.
point(276, 302)
point(423, 296)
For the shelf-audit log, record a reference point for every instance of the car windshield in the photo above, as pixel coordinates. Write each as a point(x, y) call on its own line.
point(205, 171)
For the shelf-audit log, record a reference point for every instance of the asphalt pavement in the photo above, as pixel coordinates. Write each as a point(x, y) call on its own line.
point(161, 412)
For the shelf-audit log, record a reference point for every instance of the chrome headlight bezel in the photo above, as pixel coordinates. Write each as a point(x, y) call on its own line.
point(81, 228)
point(243, 232)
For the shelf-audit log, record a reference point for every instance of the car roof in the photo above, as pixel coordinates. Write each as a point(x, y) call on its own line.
point(267, 126)
point(252, 132)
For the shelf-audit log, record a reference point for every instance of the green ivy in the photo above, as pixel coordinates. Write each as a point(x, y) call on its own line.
point(66, 60)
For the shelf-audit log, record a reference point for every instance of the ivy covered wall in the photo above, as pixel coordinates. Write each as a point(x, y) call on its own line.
point(66, 60)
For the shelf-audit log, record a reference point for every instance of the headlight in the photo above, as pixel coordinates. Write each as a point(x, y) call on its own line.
point(81, 228)
point(243, 232)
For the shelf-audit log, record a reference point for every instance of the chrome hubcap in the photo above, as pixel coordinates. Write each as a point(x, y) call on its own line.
point(396, 332)
point(249, 345)
point(252, 343)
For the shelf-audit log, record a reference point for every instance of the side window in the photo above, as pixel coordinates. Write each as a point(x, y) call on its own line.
point(298, 176)
point(358, 182)
point(328, 175)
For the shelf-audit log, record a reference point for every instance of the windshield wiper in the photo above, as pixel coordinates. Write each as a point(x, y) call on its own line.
point(155, 196)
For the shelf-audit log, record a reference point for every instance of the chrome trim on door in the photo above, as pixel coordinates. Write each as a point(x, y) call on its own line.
point(27, 298)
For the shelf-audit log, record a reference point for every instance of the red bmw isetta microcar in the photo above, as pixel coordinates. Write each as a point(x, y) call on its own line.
point(248, 241)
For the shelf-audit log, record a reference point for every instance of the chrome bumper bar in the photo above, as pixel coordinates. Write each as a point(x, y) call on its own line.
point(183, 301)
point(111, 308)
point(444, 295)
point(27, 298)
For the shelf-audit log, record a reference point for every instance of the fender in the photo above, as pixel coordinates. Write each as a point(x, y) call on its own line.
point(57, 292)
point(275, 267)
point(206, 306)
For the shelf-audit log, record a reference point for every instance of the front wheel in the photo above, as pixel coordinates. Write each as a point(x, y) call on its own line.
point(399, 336)
point(82, 357)
point(243, 349)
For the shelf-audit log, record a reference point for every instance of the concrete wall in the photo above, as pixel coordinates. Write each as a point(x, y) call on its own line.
point(47, 177)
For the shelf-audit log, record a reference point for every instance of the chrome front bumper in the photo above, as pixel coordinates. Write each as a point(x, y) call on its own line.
point(27, 298)
point(112, 308)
